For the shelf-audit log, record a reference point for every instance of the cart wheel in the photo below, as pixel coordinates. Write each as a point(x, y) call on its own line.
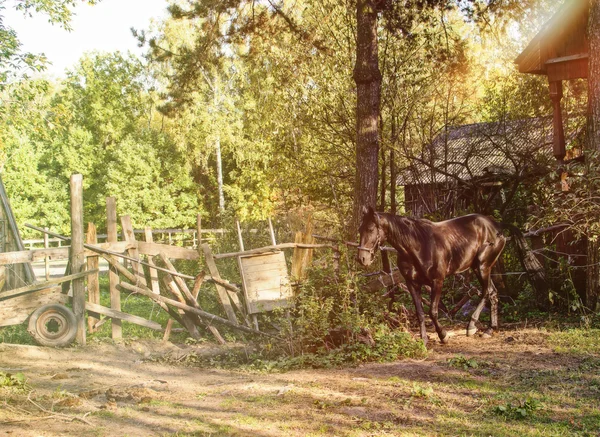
point(53, 325)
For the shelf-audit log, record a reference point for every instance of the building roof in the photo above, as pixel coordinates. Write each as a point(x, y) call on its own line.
point(485, 151)
point(560, 49)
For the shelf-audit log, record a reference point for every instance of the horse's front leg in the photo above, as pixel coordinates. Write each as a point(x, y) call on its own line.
point(436, 293)
point(413, 289)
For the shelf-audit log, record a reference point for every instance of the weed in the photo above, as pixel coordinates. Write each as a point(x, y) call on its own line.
point(461, 362)
point(16, 382)
point(522, 410)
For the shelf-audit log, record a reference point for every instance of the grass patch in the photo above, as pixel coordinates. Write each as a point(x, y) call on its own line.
point(577, 341)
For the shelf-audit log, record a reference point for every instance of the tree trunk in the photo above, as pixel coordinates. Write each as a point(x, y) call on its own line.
point(368, 88)
point(594, 77)
point(593, 271)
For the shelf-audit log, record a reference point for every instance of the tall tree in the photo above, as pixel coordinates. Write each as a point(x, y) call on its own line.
point(593, 252)
point(368, 94)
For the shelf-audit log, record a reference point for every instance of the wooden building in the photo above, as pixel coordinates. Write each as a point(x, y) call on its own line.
point(560, 51)
point(473, 167)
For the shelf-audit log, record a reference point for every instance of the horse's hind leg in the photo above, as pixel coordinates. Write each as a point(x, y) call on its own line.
point(414, 289)
point(488, 292)
point(472, 327)
point(493, 296)
point(436, 293)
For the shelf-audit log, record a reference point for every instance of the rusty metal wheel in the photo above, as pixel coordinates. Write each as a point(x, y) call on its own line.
point(53, 325)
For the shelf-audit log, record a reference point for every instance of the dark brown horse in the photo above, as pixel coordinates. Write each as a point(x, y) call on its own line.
point(428, 252)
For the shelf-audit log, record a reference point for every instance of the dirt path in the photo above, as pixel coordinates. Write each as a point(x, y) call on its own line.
point(115, 390)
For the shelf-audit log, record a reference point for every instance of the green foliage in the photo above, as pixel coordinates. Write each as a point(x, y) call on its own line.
point(15, 62)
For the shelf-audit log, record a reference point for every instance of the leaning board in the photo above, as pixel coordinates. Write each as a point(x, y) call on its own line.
point(265, 282)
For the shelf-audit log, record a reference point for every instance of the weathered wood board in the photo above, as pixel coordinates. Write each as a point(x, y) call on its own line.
point(17, 309)
point(265, 281)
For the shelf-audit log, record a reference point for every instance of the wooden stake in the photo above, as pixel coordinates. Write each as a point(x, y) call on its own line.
point(113, 276)
point(272, 231)
point(133, 252)
point(191, 300)
point(188, 320)
point(239, 231)
point(77, 254)
point(168, 330)
point(153, 272)
point(199, 233)
point(222, 292)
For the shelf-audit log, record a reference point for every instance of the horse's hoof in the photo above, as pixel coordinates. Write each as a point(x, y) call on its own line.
point(486, 335)
point(471, 332)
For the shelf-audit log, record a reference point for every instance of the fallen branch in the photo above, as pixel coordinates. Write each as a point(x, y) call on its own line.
point(54, 414)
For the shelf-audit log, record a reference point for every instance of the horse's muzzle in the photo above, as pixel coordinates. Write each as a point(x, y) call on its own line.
point(365, 258)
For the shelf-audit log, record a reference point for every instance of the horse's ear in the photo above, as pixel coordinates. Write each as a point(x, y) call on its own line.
point(368, 211)
point(376, 218)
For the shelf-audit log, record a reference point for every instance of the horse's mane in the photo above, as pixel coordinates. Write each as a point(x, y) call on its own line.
point(405, 231)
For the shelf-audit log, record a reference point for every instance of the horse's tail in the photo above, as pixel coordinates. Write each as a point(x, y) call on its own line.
point(533, 267)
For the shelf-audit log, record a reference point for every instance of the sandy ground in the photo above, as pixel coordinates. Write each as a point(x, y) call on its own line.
point(129, 390)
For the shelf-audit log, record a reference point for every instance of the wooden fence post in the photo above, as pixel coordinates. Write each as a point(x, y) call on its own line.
point(93, 280)
point(77, 254)
point(46, 258)
point(113, 276)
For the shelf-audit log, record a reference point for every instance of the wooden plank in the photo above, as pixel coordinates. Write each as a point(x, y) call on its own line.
point(267, 288)
point(122, 316)
point(259, 281)
point(39, 285)
point(56, 253)
point(93, 280)
point(26, 256)
point(133, 251)
point(173, 252)
point(267, 260)
point(16, 310)
point(113, 276)
point(154, 285)
point(224, 296)
point(77, 258)
point(276, 248)
point(275, 268)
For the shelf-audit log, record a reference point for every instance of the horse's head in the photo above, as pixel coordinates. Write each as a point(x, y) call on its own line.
point(371, 236)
